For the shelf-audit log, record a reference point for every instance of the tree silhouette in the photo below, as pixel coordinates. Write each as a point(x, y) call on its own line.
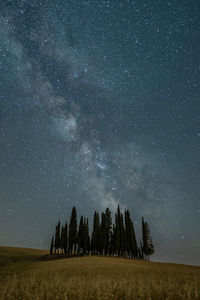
point(96, 241)
point(52, 245)
point(57, 238)
point(65, 238)
point(148, 247)
point(81, 236)
point(116, 239)
point(87, 237)
point(122, 243)
point(103, 232)
point(62, 239)
point(108, 230)
point(73, 231)
point(133, 241)
point(120, 232)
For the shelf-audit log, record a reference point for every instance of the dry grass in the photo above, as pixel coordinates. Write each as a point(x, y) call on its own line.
point(94, 278)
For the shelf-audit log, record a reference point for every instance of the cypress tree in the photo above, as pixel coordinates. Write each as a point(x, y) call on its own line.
point(65, 238)
point(128, 233)
point(131, 243)
point(103, 232)
point(99, 237)
point(52, 245)
point(57, 237)
point(108, 230)
point(117, 231)
point(85, 235)
point(88, 237)
point(134, 248)
point(96, 235)
point(148, 247)
point(121, 232)
point(81, 235)
point(93, 238)
point(116, 236)
point(111, 248)
point(73, 231)
point(144, 236)
point(62, 242)
point(122, 245)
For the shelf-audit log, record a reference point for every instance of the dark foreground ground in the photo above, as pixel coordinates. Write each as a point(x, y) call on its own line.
point(32, 274)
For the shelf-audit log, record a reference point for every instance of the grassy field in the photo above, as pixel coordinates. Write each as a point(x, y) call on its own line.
point(30, 274)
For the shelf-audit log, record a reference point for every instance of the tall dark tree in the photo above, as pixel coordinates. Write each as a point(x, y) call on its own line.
point(103, 232)
point(52, 245)
point(81, 237)
point(57, 238)
point(131, 243)
point(115, 237)
point(73, 231)
point(108, 230)
point(86, 247)
point(96, 241)
point(86, 240)
point(62, 239)
point(65, 238)
point(127, 232)
point(120, 230)
point(134, 247)
point(111, 247)
point(122, 244)
point(148, 247)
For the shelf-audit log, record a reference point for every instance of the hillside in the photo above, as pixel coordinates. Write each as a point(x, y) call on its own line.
point(32, 274)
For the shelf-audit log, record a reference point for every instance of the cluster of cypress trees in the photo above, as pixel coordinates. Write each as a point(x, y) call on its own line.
point(116, 239)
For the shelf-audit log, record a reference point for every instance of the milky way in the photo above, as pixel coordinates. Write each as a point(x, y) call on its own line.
point(99, 107)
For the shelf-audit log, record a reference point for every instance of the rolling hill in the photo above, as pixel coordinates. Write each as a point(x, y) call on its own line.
point(33, 274)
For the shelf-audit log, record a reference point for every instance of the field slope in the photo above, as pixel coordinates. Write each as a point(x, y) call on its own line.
point(31, 274)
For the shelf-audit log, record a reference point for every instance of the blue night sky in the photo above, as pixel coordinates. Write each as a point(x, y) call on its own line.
point(100, 106)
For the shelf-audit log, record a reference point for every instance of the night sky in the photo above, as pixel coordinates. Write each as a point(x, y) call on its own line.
point(100, 106)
